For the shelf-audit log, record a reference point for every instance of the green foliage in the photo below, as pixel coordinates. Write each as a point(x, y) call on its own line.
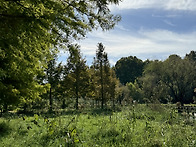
point(129, 69)
point(52, 77)
point(135, 92)
point(180, 78)
point(123, 93)
point(172, 80)
point(191, 56)
point(30, 31)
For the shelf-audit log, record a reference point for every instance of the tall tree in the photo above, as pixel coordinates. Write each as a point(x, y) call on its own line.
point(30, 29)
point(101, 66)
point(77, 74)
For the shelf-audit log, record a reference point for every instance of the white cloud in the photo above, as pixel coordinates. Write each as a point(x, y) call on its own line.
point(169, 23)
point(146, 44)
point(158, 4)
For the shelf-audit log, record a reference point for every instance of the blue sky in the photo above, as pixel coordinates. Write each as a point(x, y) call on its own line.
point(149, 29)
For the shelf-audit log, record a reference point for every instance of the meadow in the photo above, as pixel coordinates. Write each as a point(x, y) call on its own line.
point(134, 126)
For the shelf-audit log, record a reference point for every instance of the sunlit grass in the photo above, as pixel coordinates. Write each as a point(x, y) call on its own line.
point(140, 125)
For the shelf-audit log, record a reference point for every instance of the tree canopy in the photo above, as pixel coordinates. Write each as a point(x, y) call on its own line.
point(128, 69)
point(172, 80)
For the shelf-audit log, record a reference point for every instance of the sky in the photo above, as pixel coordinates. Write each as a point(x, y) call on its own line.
point(149, 29)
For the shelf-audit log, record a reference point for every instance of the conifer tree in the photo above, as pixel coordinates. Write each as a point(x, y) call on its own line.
point(77, 76)
point(102, 67)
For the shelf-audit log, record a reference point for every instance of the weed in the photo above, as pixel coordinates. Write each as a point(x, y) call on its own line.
point(133, 126)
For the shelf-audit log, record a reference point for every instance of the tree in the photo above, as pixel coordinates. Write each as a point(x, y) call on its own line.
point(151, 82)
point(179, 76)
point(101, 66)
point(53, 77)
point(31, 29)
point(171, 80)
point(61, 20)
point(112, 86)
point(77, 75)
point(191, 56)
point(128, 69)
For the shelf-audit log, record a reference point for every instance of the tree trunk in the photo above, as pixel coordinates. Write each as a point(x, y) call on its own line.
point(113, 103)
point(76, 99)
point(102, 96)
point(1, 113)
point(50, 98)
point(25, 108)
point(77, 88)
point(63, 105)
point(5, 107)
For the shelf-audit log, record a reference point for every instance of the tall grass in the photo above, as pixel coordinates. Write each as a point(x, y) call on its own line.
point(140, 125)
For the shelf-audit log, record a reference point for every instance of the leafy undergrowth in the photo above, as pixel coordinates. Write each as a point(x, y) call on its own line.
point(140, 125)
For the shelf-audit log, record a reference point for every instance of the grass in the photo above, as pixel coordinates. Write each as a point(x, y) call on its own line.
point(141, 125)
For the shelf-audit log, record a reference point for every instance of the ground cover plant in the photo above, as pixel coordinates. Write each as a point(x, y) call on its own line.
point(141, 125)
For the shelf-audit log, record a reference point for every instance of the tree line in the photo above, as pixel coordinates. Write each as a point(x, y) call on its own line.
point(33, 31)
point(131, 79)
point(75, 80)
point(169, 81)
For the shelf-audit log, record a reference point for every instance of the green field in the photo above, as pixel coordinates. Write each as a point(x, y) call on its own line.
point(140, 125)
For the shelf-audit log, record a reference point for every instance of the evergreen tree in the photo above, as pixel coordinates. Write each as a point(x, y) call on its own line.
point(103, 73)
point(77, 75)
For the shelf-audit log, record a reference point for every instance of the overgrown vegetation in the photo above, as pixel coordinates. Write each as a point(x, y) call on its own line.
point(140, 125)
point(46, 103)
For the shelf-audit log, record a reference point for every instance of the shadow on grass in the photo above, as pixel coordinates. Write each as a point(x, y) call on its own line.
point(5, 129)
point(105, 111)
point(90, 111)
point(56, 113)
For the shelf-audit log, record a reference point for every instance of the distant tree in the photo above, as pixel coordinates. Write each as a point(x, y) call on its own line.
point(170, 80)
point(113, 84)
point(152, 86)
point(77, 76)
point(128, 69)
point(191, 56)
point(100, 61)
point(123, 93)
point(102, 72)
point(179, 76)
